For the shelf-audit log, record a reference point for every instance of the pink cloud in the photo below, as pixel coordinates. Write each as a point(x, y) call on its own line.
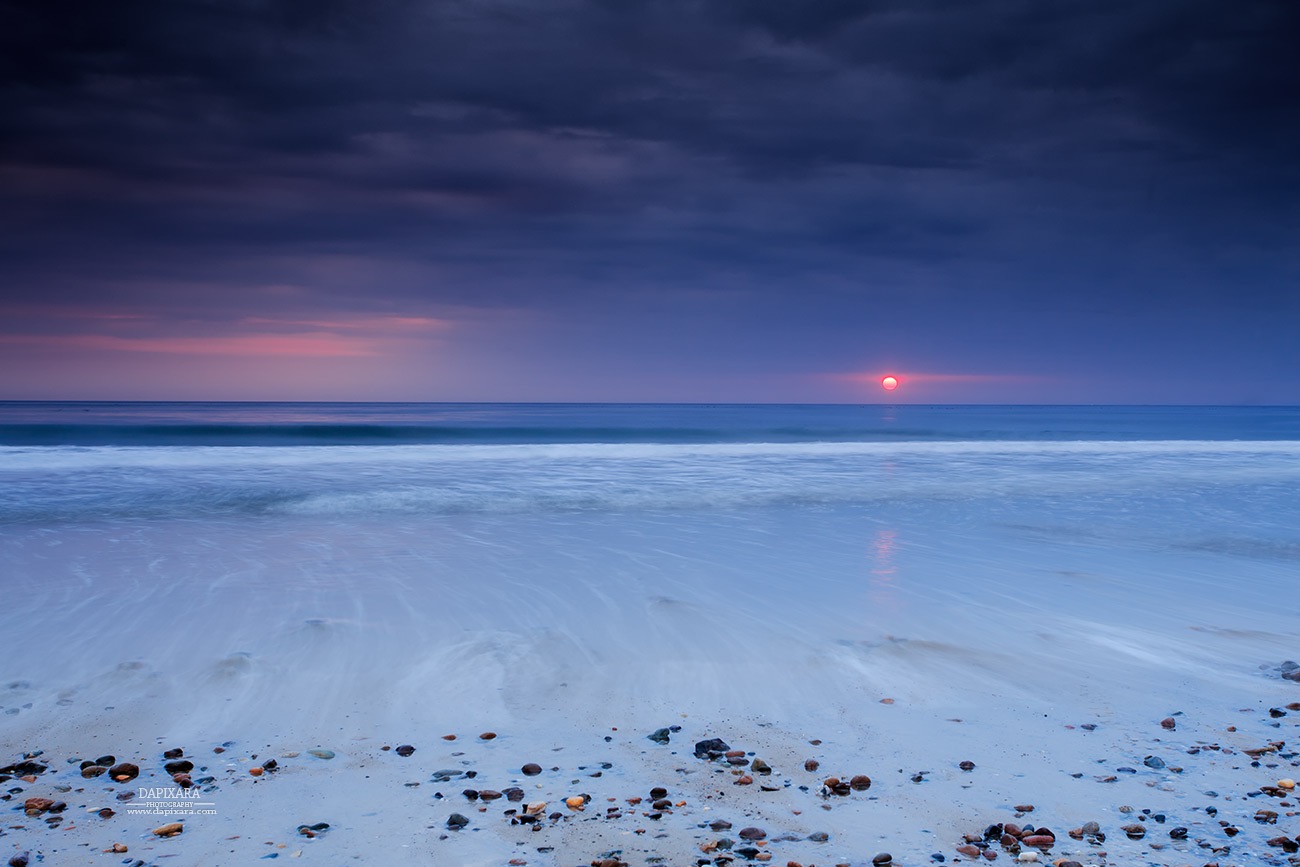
point(304, 345)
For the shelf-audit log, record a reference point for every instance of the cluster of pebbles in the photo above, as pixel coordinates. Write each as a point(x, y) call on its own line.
point(533, 799)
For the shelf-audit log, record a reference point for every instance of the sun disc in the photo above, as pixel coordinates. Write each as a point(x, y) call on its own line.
point(889, 383)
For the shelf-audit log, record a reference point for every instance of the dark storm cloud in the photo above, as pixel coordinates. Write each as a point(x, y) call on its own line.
point(587, 142)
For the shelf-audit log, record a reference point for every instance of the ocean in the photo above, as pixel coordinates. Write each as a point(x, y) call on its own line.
point(305, 574)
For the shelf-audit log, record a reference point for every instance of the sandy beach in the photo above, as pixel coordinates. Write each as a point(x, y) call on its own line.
point(1096, 631)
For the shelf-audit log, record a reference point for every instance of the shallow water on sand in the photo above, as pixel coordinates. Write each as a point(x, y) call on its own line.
point(299, 596)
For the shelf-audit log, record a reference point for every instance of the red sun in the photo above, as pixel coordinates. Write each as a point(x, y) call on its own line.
point(889, 383)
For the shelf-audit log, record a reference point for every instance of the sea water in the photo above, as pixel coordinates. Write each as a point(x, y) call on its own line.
point(320, 573)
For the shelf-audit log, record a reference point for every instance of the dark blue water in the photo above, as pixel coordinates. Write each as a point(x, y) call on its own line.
point(294, 424)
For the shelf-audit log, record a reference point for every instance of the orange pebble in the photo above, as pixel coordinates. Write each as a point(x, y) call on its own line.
point(257, 772)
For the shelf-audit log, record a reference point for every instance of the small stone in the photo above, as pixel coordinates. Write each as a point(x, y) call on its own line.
point(720, 825)
point(91, 771)
point(967, 765)
point(255, 771)
point(575, 802)
point(449, 737)
point(658, 792)
point(36, 806)
point(173, 753)
point(1286, 783)
point(171, 829)
point(456, 821)
point(181, 766)
point(1024, 808)
point(969, 850)
point(1135, 831)
point(404, 750)
point(745, 780)
point(1169, 723)
point(659, 736)
point(487, 736)
point(1179, 833)
point(183, 780)
point(752, 833)
point(107, 813)
point(712, 748)
point(321, 754)
point(811, 765)
point(20, 860)
point(118, 848)
point(124, 773)
point(760, 767)
point(531, 769)
point(1039, 841)
point(882, 859)
point(1154, 762)
point(860, 782)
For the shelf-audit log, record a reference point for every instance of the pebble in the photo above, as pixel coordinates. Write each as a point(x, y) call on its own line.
point(712, 748)
point(20, 860)
point(882, 859)
point(118, 848)
point(659, 736)
point(124, 772)
point(819, 836)
point(487, 736)
point(456, 821)
point(811, 765)
point(255, 771)
point(531, 769)
point(1169, 723)
point(171, 829)
point(860, 782)
point(752, 833)
point(321, 754)
point(967, 766)
point(660, 792)
point(1286, 783)
point(575, 802)
point(761, 767)
point(405, 750)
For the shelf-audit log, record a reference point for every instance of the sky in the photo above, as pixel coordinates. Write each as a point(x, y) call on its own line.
point(997, 201)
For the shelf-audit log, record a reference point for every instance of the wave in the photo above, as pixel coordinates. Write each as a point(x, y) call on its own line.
point(52, 484)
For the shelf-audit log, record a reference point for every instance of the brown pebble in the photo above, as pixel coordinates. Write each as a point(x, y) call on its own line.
point(745, 780)
point(489, 794)
point(1169, 723)
point(36, 806)
point(449, 737)
point(967, 765)
point(811, 765)
point(119, 848)
point(93, 771)
point(1024, 808)
point(125, 772)
point(183, 780)
point(882, 859)
point(861, 782)
point(752, 833)
point(658, 792)
point(968, 850)
point(171, 829)
point(218, 750)
point(107, 813)
point(531, 769)
point(886, 701)
point(1038, 841)
point(487, 736)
